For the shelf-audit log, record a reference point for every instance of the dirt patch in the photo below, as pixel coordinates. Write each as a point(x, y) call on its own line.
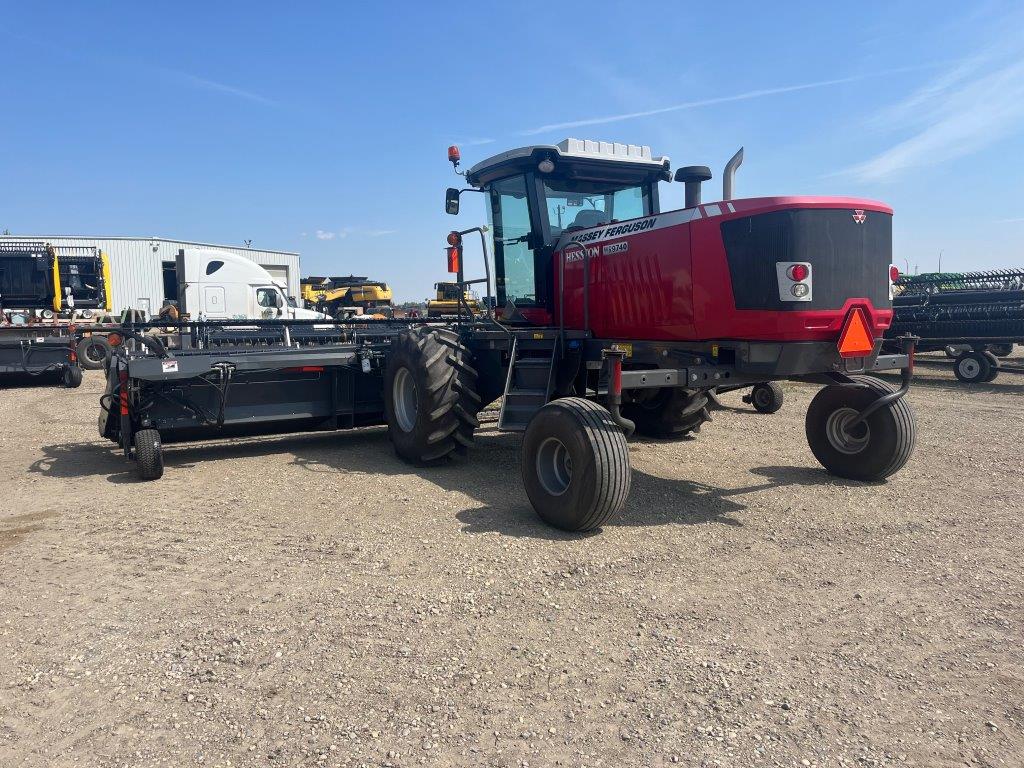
point(312, 600)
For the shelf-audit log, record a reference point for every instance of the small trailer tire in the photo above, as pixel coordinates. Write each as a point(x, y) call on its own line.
point(994, 365)
point(149, 457)
point(430, 397)
point(972, 367)
point(575, 464)
point(870, 451)
point(1001, 350)
point(72, 377)
point(93, 351)
point(767, 397)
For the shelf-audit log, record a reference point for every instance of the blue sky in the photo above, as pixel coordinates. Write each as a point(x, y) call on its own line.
point(323, 128)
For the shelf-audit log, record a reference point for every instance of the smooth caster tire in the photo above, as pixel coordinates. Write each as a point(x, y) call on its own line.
point(575, 464)
point(869, 451)
point(766, 397)
point(973, 367)
point(149, 456)
point(72, 377)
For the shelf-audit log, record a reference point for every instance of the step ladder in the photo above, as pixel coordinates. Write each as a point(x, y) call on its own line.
point(530, 381)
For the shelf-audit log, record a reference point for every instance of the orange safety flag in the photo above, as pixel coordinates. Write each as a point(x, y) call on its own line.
point(856, 340)
point(454, 254)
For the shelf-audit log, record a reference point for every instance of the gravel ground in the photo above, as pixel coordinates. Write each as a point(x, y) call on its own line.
point(311, 600)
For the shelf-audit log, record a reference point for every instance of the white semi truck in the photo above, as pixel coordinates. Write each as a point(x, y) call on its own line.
point(218, 285)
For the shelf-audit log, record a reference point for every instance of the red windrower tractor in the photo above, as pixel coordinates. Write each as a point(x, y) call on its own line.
point(613, 316)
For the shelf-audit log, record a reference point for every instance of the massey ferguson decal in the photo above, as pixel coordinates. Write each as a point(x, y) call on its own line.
point(615, 230)
point(859, 216)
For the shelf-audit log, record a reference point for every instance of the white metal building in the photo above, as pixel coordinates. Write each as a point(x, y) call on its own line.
point(138, 265)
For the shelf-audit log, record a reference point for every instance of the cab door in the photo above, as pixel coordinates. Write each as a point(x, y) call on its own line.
point(214, 305)
point(520, 277)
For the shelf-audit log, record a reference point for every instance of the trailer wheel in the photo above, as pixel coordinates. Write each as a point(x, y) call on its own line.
point(575, 464)
point(72, 377)
point(872, 450)
point(1001, 350)
point(149, 457)
point(766, 397)
point(972, 367)
point(669, 412)
point(430, 397)
point(994, 366)
point(93, 351)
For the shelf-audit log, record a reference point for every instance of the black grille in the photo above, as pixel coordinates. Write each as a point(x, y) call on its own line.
point(848, 260)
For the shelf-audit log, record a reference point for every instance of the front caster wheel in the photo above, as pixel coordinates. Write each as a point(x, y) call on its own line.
point(149, 456)
point(766, 397)
point(575, 464)
point(871, 450)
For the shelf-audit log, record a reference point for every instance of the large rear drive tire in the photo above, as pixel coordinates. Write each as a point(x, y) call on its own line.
point(72, 377)
point(149, 456)
point(669, 413)
point(575, 464)
point(766, 397)
point(430, 397)
point(93, 351)
point(872, 450)
point(972, 367)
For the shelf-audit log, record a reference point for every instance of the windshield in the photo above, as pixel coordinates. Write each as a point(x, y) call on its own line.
point(576, 205)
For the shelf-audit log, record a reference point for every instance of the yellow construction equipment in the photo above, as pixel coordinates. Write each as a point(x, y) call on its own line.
point(447, 301)
point(342, 295)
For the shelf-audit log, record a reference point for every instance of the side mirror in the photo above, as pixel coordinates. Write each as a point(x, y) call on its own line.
point(451, 201)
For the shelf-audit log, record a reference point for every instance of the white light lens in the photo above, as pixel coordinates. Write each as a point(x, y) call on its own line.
point(545, 166)
point(800, 290)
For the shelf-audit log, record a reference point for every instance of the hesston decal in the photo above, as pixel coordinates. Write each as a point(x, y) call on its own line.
point(574, 252)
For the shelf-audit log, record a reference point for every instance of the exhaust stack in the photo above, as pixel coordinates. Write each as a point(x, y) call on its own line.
point(693, 176)
point(729, 176)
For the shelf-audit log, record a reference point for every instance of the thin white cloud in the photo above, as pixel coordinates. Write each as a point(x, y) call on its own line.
point(473, 142)
point(213, 85)
point(961, 112)
point(1010, 221)
point(321, 235)
point(756, 94)
point(380, 232)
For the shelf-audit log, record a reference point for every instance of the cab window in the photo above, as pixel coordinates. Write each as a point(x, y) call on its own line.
point(266, 297)
point(510, 221)
point(575, 205)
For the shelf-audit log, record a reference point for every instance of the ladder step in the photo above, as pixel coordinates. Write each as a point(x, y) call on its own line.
point(526, 392)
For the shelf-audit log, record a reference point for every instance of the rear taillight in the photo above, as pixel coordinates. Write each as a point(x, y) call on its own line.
point(794, 280)
point(894, 275)
point(798, 272)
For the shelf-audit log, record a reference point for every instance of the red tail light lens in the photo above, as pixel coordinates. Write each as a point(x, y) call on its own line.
point(799, 272)
point(894, 274)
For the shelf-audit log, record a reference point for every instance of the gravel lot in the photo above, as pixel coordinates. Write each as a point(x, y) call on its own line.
point(311, 600)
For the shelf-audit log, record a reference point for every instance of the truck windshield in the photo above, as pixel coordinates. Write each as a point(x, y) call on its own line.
point(576, 205)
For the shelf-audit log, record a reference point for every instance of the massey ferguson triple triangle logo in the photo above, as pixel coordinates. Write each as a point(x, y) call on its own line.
point(859, 216)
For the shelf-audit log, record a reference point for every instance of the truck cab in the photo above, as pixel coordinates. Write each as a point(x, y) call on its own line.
point(220, 285)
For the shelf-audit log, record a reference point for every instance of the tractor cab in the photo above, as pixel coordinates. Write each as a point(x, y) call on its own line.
point(535, 194)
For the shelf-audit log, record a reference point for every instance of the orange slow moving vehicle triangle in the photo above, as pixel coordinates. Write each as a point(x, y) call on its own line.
point(856, 340)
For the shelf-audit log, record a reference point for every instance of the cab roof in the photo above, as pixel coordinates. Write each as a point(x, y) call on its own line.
point(579, 159)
